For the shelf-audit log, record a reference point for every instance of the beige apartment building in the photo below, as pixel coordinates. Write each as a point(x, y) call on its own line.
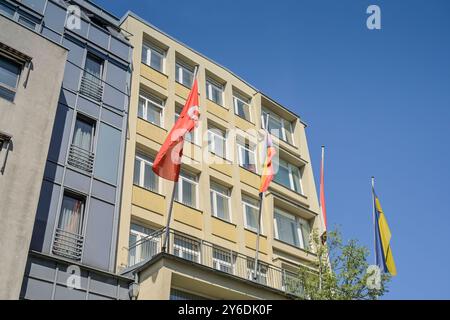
point(212, 244)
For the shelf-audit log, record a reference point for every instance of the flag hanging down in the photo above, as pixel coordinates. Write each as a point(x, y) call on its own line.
point(322, 196)
point(383, 254)
point(167, 163)
point(268, 171)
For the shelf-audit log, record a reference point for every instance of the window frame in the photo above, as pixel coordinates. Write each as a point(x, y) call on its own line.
point(212, 130)
point(179, 196)
point(143, 160)
point(180, 68)
point(6, 87)
point(299, 221)
point(183, 249)
point(155, 102)
point(139, 237)
point(94, 57)
point(150, 49)
point(93, 123)
point(226, 194)
point(238, 97)
point(246, 201)
point(210, 83)
point(290, 167)
point(217, 262)
point(77, 197)
point(247, 146)
point(283, 123)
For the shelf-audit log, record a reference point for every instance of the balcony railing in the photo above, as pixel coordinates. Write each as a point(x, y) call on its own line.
point(92, 88)
point(218, 258)
point(67, 244)
point(81, 159)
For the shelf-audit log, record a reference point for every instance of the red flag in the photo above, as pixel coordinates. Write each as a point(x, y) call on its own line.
point(268, 173)
point(168, 160)
point(322, 191)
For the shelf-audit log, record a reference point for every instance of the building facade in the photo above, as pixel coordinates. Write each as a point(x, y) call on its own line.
point(212, 244)
point(31, 73)
point(73, 246)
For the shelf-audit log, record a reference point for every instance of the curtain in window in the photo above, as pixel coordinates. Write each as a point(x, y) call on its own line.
point(70, 218)
point(82, 136)
point(93, 69)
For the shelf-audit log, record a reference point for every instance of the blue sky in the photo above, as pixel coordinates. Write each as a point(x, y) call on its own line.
point(379, 100)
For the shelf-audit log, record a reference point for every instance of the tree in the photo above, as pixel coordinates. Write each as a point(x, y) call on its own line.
point(339, 271)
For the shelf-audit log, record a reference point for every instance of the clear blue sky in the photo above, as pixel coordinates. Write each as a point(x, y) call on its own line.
point(379, 101)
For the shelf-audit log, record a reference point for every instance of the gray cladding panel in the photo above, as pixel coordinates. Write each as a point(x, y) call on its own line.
point(64, 293)
point(116, 76)
point(88, 107)
point(103, 191)
point(77, 181)
point(36, 5)
point(51, 35)
point(71, 77)
point(114, 98)
point(98, 237)
point(53, 172)
point(119, 48)
point(61, 133)
point(35, 289)
point(112, 118)
point(55, 17)
point(98, 37)
point(76, 52)
point(67, 97)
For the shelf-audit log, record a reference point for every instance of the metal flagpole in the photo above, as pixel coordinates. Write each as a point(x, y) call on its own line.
point(373, 214)
point(261, 198)
point(165, 245)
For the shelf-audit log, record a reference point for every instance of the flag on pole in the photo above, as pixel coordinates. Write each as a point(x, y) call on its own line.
point(167, 163)
point(383, 252)
point(268, 171)
point(322, 196)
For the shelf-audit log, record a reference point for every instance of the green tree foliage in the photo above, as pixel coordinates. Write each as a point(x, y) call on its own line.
point(339, 271)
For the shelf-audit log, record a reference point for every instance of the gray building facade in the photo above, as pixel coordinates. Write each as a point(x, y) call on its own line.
point(75, 228)
point(31, 73)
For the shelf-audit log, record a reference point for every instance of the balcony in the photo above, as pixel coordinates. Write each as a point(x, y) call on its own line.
point(92, 88)
point(67, 244)
point(222, 260)
point(81, 159)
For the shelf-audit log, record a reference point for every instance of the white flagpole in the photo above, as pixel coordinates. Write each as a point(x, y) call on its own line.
point(165, 245)
point(261, 199)
point(373, 217)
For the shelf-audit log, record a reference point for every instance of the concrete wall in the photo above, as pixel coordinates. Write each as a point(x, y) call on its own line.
point(29, 119)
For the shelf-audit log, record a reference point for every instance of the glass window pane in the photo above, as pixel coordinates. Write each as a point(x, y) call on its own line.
point(287, 229)
point(141, 108)
point(27, 22)
point(70, 218)
point(222, 207)
point(156, 60)
point(9, 72)
point(6, 10)
point(137, 171)
point(189, 195)
point(144, 54)
point(82, 136)
point(154, 114)
point(287, 131)
point(296, 177)
point(282, 175)
point(149, 178)
point(93, 68)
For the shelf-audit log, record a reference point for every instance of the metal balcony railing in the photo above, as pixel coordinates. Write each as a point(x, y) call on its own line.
point(80, 158)
point(67, 244)
point(215, 257)
point(92, 88)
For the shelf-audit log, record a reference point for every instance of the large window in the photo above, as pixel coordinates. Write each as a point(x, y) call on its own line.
point(220, 201)
point(186, 189)
point(291, 229)
point(91, 83)
point(247, 155)
point(184, 74)
point(289, 176)
point(141, 246)
point(189, 136)
point(186, 248)
point(214, 91)
point(251, 211)
point(261, 272)
point(217, 142)
point(9, 77)
point(242, 106)
point(277, 126)
point(151, 108)
point(143, 173)
point(153, 56)
point(223, 260)
point(83, 134)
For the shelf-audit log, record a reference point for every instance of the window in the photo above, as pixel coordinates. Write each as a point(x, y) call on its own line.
point(291, 229)
point(153, 57)
point(214, 91)
point(151, 109)
point(241, 106)
point(83, 134)
point(6, 10)
point(186, 189)
point(220, 201)
point(91, 83)
point(291, 283)
point(189, 136)
point(9, 77)
point(184, 74)
point(176, 294)
point(277, 126)
point(261, 271)
point(186, 248)
point(251, 212)
point(247, 155)
point(141, 245)
point(223, 260)
point(289, 176)
point(5, 140)
point(217, 142)
point(68, 240)
point(143, 173)
point(27, 22)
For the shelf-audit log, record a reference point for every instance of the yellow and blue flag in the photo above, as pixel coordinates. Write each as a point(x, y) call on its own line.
point(383, 251)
